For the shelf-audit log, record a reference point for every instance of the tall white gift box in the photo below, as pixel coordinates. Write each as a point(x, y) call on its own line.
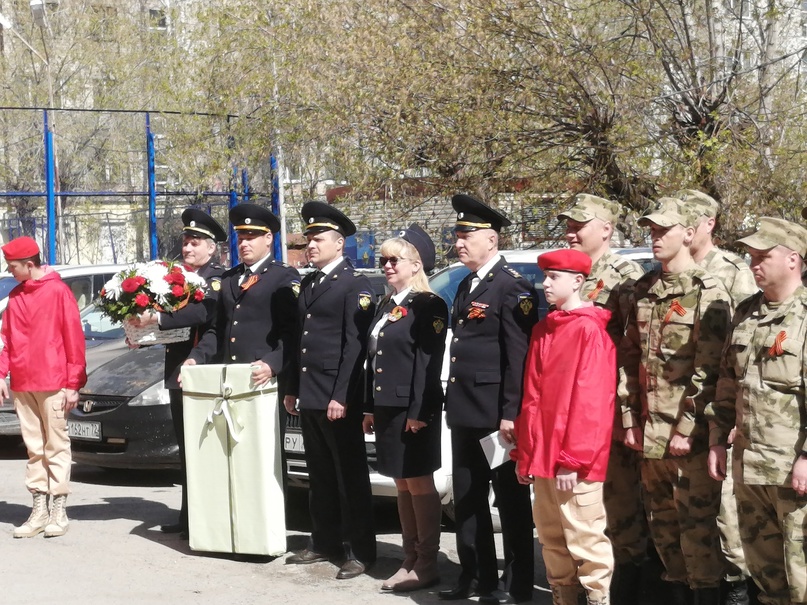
point(232, 443)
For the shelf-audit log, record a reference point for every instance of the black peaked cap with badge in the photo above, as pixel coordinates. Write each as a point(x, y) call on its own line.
point(251, 217)
point(198, 223)
point(320, 216)
point(415, 235)
point(473, 214)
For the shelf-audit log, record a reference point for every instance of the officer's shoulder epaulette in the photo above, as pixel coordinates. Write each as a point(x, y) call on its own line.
point(216, 266)
point(511, 272)
point(280, 263)
point(229, 272)
point(734, 259)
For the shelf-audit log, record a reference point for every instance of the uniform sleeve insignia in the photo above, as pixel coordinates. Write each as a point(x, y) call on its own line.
point(776, 349)
point(365, 300)
point(596, 291)
point(438, 324)
point(215, 284)
point(525, 303)
point(675, 307)
point(295, 287)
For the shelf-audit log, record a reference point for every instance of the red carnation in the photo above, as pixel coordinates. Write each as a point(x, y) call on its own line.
point(130, 285)
point(177, 291)
point(142, 300)
point(176, 269)
point(198, 295)
point(175, 278)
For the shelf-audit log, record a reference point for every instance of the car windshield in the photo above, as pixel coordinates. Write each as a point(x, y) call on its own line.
point(98, 326)
point(7, 284)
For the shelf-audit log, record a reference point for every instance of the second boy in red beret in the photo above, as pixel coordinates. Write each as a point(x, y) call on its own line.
point(563, 432)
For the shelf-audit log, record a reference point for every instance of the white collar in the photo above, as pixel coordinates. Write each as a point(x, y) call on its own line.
point(485, 269)
point(328, 269)
point(254, 267)
point(398, 298)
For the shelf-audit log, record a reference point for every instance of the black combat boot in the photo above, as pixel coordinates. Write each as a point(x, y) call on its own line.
point(679, 594)
point(626, 584)
point(734, 593)
point(707, 596)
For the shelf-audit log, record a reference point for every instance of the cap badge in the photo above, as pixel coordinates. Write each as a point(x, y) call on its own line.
point(461, 215)
point(192, 224)
point(247, 221)
point(311, 220)
point(401, 233)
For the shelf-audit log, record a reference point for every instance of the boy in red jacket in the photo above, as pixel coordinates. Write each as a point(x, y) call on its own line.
point(44, 350)
point(563, 433)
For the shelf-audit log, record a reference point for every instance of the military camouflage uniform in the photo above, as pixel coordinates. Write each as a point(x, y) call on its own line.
point(762, 389)
point(671, 351)
point(735, 274)
point(610, 285)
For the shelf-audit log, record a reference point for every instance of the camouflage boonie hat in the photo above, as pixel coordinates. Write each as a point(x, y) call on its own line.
point(704, 205)
point(587, 207)
point(773, 232)
point(668, 212)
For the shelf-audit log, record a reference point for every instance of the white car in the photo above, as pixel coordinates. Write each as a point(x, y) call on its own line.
point(444, 283)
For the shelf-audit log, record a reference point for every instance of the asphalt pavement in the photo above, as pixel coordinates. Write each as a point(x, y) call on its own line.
point(114, 552)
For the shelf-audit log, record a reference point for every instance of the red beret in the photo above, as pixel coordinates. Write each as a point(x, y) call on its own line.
point(22, 247)
point(572, 261)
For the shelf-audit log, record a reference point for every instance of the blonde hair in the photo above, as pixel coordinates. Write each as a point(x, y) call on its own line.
point(401, 248)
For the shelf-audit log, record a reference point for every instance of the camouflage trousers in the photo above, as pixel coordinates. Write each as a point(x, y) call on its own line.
point(729, 528)
point(773, 523)
point(682, 504)
point(627, 523)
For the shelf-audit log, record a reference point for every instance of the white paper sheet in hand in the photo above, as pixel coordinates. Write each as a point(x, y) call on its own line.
point(496, 449)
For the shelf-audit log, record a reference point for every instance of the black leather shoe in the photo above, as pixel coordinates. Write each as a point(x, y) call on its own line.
point(517, 597)
point(173, 528)
point(304, 557)
point(350, 569)
point(463, 590)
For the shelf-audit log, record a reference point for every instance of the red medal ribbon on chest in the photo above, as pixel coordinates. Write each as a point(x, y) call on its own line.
point(776, 349)
point(677, 308)
point(596, 291)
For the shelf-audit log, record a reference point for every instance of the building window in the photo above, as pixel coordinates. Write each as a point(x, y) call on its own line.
point(158, 19)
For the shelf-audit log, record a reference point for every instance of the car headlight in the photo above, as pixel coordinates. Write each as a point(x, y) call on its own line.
point(156, 394)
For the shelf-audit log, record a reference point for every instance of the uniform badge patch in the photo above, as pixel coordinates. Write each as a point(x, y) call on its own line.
point(295, 287)
point(365, 300)
point(438, 324)
point(397, 313)
point(215, 284)
point(525, 303)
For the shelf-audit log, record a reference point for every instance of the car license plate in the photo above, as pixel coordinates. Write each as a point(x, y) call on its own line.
point(294, 443)
point(90, 431)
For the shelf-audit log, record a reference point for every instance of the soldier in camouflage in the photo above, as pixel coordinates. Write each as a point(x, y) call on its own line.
point(671, 353)
point(736, 276)
point(761, 392)
point(589, 226)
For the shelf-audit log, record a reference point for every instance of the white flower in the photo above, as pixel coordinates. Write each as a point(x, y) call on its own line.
point(195, 279)
point(155, 273)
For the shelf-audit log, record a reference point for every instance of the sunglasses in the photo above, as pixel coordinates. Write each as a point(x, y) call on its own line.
point(392, 260)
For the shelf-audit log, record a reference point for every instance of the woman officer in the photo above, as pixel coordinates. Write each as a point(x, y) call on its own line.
point(405, 400)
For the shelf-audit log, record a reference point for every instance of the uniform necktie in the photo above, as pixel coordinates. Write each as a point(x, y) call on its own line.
point(474, 283)
point(245, 276)
point(317, 278)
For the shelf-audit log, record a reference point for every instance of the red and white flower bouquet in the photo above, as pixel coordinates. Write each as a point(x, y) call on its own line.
point(160, 286)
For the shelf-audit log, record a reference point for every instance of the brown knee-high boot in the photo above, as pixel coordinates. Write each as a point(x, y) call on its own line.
point(409, 535)
point(425, 573)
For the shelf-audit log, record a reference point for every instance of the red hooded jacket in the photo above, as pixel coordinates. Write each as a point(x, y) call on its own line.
point(43, 337)
point(569, 387)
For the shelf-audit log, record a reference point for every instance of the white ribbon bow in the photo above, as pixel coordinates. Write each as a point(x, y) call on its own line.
point(221, 407)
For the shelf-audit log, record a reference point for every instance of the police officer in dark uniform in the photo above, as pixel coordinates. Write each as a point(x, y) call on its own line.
point(336, 308)
point(256, 315)
point(492, 318)
point(200, 237)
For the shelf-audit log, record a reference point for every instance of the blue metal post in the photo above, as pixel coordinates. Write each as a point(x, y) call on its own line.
point(245, 193)
point(277, 245)
point(50, 191)
point(152, 182)
point(233, 203)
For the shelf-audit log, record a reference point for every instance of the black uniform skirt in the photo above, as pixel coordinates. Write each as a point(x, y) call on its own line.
point(404, 454)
